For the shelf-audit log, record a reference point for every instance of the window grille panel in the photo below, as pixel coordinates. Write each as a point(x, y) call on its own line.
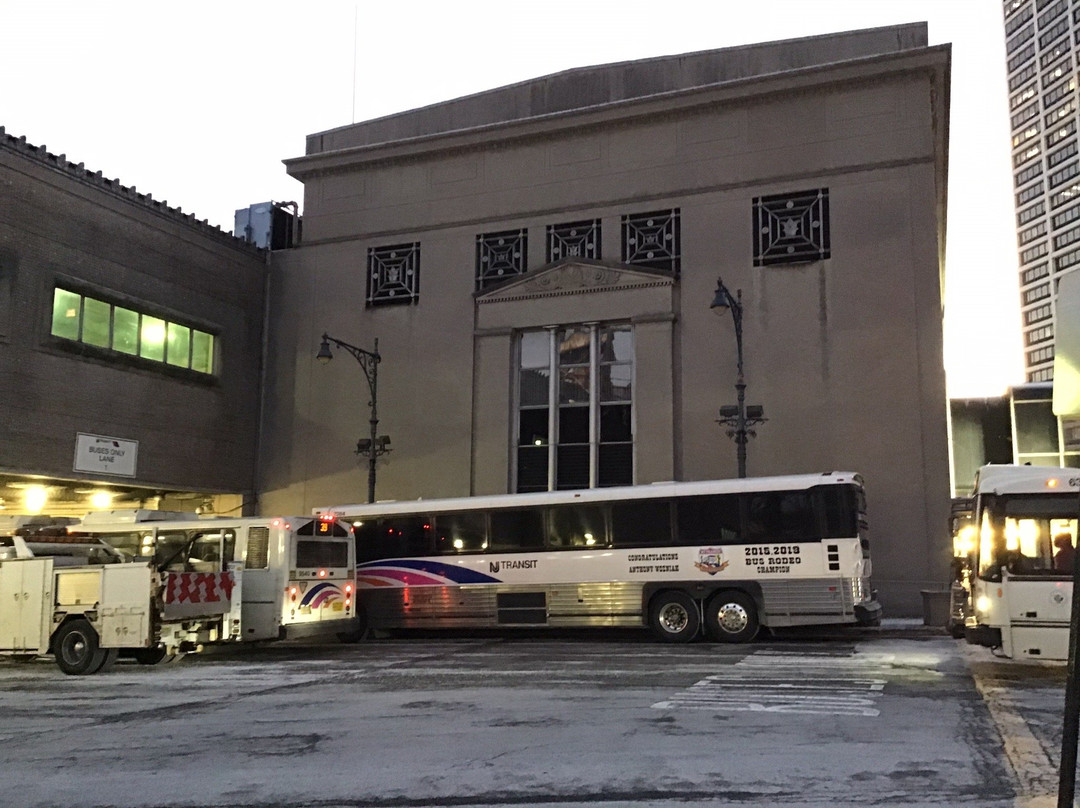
point(652, 240)
point(393, 274)
point(791, 228)
point(500, 256)
point(573, 240)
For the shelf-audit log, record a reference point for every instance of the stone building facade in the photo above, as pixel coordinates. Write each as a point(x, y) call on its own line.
point(131, 339)
point(537, 263)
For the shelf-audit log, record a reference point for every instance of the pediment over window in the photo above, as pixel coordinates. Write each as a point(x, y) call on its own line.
point(575, 276)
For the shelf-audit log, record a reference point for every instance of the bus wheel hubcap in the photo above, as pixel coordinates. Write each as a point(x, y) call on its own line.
point(733, 618)
point(674, 618)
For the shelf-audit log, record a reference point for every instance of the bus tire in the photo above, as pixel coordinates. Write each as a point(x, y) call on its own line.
point(77, 650)
point(731, 616)
point(673, 616)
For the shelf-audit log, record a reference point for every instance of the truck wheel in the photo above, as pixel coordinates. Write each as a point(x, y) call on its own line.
point(111, 655)
point(673, 616)
point(77, 649)
point(731, 617)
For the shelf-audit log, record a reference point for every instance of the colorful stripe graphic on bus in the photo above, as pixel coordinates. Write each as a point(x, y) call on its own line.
point(408, 572)
point(321, 594)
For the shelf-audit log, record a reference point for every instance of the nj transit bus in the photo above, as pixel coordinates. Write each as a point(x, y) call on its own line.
point(295, 575)
point(720, 558)
point(1021, 589)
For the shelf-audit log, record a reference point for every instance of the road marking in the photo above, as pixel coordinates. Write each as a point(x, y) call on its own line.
point(1033, 772)
point(770, 682)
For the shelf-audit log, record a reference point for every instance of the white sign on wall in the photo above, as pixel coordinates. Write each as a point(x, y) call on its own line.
point(99, 454)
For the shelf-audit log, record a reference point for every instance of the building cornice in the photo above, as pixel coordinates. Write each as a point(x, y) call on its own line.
point(934, 59)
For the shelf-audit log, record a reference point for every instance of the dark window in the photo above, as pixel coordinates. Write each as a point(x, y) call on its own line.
point(840, 507)
point(789, 228)
point(393, 274)
point(642, 523)
point(462, 532)
point(576, 526)
point(711, 519)
point(500, 256)
point(781, 516)
point(394, 537)
point(652, 240)
point(311, 554)
point(517, 529)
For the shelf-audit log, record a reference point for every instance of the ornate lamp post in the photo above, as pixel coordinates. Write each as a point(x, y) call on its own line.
point(739, 417)
point(376, 445)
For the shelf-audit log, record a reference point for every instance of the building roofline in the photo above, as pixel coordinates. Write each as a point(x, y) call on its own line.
point(77, 171)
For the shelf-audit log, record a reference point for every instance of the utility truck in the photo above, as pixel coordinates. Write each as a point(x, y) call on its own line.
point(78, 599)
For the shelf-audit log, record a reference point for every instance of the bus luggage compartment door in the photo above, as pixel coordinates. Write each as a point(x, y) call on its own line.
point(521, 608)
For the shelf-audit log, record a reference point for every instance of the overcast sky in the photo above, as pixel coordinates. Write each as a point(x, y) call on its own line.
point(198, 103)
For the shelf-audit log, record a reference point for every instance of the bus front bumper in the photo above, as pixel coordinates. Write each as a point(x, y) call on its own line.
point(868, 613)
point(985, 636)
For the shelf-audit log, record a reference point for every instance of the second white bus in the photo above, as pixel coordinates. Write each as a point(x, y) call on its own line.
point(295, 575)
point(1021, 587)
point(722, 558)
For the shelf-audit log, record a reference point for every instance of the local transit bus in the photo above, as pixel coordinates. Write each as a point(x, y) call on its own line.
point(1021, 589)
point(963, 533)
point(720, 557)
point(295, 574)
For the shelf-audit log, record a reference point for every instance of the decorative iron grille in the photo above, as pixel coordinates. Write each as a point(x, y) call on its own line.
point(393, 274)
point(652, 240)
point(791, 228)
point(573, 240)
point(500, 256)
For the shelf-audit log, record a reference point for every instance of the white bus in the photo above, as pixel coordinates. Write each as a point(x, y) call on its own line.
point(723, 557)
point(295, 575)
point(1021, 589)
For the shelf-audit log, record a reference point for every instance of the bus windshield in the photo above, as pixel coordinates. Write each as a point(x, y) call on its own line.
point(1026, 534)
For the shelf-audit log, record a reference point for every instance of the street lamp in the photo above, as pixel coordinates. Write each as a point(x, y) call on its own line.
point(376, 445)
point(739, 417)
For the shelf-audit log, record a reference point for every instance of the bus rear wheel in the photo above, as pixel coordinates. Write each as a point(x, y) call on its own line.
point(731, 616)
point(673, 616)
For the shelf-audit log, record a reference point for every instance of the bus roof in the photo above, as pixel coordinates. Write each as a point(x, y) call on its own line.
point(208, 522)
point(1014, 479)
point(653, 491)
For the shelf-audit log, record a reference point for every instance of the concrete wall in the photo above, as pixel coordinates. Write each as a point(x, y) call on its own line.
point(845, 354)
point(61, 225)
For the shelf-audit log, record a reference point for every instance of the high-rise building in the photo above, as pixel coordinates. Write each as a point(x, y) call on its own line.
point(1042, 40)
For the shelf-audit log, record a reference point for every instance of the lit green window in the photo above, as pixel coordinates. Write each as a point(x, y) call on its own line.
point(202, 352)
point(179, 349)
point(125, 331)
point(65, 320)
point(152, 342)
point(96, 316)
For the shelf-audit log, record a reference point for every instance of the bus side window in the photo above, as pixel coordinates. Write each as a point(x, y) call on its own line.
point(577, 526)
point(837, 504)
point(406, 536)
point(170, 550)
point(712, 519)
point(781, 516)
point(641, 523)
point(462, 532)
point(517, 529)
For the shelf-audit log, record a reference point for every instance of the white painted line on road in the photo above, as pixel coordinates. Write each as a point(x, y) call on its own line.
point(1033, 772)
point(766, 682)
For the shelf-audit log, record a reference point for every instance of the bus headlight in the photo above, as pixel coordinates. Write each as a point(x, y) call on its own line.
point(982, 604)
